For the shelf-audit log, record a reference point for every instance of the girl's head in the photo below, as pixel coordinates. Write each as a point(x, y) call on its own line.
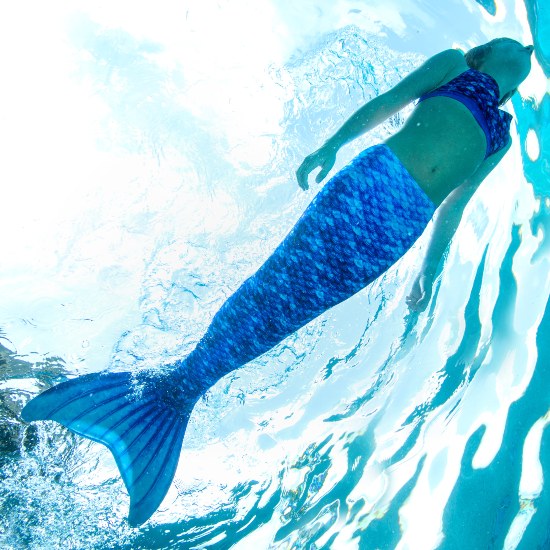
point(505, 55)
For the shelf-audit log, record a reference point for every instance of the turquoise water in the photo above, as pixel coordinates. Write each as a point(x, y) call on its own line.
point(148, 168)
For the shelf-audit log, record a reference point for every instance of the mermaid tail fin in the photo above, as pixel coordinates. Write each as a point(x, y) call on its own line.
point(144, 435)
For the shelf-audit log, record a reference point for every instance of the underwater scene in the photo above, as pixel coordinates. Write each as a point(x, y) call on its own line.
point(149, 157)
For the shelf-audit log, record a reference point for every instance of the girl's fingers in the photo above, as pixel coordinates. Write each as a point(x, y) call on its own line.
point(304, 170)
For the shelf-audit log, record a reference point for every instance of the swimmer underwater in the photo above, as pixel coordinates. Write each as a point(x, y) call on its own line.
point(359, 224)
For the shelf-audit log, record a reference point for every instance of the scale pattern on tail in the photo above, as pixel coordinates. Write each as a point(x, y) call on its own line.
point(363, 220)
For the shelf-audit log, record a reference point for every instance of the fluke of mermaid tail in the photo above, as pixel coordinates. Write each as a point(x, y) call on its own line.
point(143, 432)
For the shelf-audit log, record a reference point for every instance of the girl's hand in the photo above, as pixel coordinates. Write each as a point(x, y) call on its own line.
point(325, 157)
point(421, 293)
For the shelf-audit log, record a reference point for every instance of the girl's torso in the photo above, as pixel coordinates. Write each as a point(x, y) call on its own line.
point(441, 144)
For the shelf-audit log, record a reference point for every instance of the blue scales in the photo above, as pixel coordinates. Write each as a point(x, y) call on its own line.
point(359, 224)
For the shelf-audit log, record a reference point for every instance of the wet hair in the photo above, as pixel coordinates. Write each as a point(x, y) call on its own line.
point(476, 56)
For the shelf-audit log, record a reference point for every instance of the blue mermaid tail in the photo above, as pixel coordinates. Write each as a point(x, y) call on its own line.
point(362, 221)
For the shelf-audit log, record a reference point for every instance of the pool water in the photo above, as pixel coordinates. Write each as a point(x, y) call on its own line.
point(149, 158)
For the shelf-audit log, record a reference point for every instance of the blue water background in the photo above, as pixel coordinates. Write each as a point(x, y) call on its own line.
point(148, 168)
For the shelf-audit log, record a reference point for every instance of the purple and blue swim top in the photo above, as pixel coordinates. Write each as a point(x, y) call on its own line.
point(480, 93)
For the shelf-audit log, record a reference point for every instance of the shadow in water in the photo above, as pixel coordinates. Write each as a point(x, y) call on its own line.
point(485, 501)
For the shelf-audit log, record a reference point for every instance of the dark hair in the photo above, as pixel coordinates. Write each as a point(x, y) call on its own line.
point(476, 56)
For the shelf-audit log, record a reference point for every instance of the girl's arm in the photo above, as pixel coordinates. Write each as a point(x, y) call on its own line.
point(447, 220)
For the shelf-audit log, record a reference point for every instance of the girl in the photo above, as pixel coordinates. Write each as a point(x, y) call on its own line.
point(363, 220)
